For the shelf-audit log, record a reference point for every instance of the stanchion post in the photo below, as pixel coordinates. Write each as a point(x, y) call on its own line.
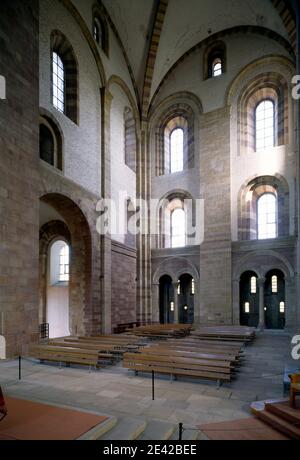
point(180, 431)
point(152, 385)
point(20, 376)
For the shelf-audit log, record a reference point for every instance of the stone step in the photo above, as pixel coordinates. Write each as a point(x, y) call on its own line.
point(99, 430)
point(127, 429)
point(276, 422)
point(284, 411)
point(157, 430)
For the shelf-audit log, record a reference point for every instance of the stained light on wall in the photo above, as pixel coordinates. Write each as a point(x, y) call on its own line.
point(274, 283)
point(172, 307)
point(282, 307)
point(185, 307)
point(253, 285)
point(247, 307)
point(178, 288)
point(193, 286)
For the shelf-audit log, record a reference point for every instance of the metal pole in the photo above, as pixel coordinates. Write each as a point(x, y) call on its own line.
point(20, 367)
point(152, 385)
point(180, 431)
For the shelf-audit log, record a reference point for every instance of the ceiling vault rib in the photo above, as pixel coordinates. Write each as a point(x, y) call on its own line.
point(288, 18)
point(113, 27)
point(152, 52)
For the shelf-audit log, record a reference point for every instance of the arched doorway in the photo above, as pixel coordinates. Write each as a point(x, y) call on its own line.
point(186, 294)
point(274, 300)
point(166, 300)
point(67, 304)
point(249, 299)
point(57, 299)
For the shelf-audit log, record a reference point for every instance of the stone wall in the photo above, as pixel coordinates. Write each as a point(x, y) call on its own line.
point(19, 174)
point(123, 294)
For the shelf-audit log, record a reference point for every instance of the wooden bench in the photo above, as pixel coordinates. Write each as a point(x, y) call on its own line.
point(294, 388)
point(65, 355)
point(176, 366)
point(189, 354)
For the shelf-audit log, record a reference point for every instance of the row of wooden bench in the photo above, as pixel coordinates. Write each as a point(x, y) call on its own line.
point(158, 331)
point(92, 351)
point(218, 361)
point(225, 333)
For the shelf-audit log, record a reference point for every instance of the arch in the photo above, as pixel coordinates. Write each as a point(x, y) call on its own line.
point(168, 266)
point(274, 317)
point(61, 45)
point(249, 301)
point(248, 195)
point(115, 79)
point(217, 36)
point(261, 262)
point(53, 126)
point(68, 4)
point(129, 139)
point(74, 229)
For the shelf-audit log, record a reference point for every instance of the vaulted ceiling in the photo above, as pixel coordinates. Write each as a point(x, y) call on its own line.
point(157, 33)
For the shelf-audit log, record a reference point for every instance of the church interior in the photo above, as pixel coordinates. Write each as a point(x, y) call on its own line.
point(150, 219)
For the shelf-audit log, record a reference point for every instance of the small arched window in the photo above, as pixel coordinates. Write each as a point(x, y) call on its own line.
point(176, 150)
point(97, 31)
point(178, 233)
point(100, 32)
point(47, 145)
point(265, 124)
point(274, 284)
point(217, 67)
point(58, 82)
point(267, 216)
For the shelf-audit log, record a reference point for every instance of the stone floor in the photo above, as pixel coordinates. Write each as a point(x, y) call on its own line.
point(116, 391)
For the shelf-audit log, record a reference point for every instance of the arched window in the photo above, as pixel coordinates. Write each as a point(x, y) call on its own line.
point(64, 263)
point(97, 31)
point(267, 216)
point(58, 82)
point(274, 284)
point(100, 31)
point(64, 76)
point(178, 233)
point(265, 124)
point(217, 67)
point(176, 150)
point(253, 285)
point(129, 139)
point(47, 145)
point(50, 142)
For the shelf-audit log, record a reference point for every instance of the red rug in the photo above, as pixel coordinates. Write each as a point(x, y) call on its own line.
point(27, 420)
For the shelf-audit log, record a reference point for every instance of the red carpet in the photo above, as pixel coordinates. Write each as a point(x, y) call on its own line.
point(28, 420)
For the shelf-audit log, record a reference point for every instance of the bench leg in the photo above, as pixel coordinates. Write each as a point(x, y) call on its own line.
point(219, 384)
point(59, 364)
point(90, 369)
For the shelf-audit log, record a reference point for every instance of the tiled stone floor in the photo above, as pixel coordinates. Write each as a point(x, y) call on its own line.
point(116, 391)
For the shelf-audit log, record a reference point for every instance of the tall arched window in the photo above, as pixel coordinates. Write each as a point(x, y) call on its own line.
point(58, 82)
point(64, 76)
point(176, 150)
point(217, 67)
point(267, 216)
point(64, 263)
point(265, 124)
point(97, 31)
point(178, 233)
